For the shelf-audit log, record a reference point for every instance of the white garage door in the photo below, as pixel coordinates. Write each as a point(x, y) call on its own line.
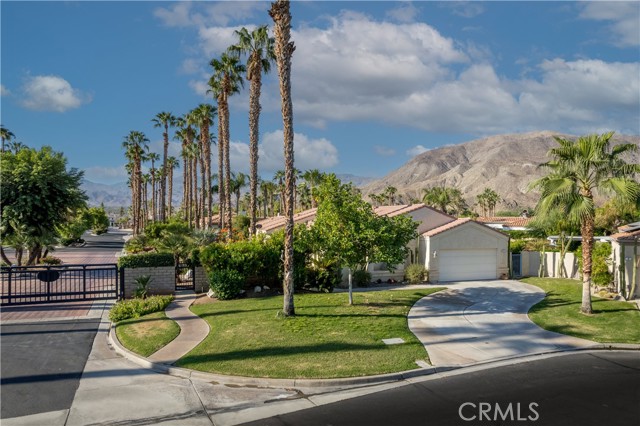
point(465, 265)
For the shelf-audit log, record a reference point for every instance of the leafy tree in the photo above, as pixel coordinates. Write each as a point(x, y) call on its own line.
point(348, 231)
point(615, 213)
point(283, 50)
point(97, 220)
point(577, 170)
point(38, 194)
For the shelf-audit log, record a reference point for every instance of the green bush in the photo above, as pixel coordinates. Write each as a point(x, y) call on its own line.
point(361, 278)
point(600, 274)
point(156, 229)
point(415, 273)
point(325, 279)
point(146, 260)
point(516, 246)
point(142, 281)
point(51, 260)
point(226, 283)
point(137, 244)
point(135, 308)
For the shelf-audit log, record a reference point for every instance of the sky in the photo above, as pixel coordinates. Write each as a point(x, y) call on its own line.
point(374, 83)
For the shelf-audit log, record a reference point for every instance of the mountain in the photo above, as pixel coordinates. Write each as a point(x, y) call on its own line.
point(504, 163)
point(357, 181)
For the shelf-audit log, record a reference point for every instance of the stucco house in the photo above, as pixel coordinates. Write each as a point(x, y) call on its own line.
point(623, 259)
point(451, 249)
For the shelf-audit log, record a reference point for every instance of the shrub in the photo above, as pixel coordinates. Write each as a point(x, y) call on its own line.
point(226, 283)
point(142, 281)
point(415, 273)
point(51, 260)
point(361, 278)
point(600, 274)
point(146, 260)
point(325, 279)
point(516, 246)
point(135, 308)
point(136, 244)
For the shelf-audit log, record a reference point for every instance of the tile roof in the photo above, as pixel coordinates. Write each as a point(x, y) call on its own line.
point(626, 236)
point(447, 226)
point(276, 222)
point(505, 221)
point(392, 211)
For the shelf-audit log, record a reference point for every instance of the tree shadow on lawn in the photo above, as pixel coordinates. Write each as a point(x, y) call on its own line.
point(274, 351)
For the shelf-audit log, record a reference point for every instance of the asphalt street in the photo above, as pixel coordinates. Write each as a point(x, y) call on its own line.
point(596, 388)
point(42, 364)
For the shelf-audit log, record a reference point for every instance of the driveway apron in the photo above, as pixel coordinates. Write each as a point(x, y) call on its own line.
point(479, 321)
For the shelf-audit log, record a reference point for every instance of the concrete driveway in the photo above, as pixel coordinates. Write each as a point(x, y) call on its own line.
point(478, 321)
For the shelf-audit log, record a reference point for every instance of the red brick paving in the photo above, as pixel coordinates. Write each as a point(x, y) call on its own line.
point(78, 308)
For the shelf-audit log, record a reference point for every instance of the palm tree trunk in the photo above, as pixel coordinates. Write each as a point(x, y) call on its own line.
point(170, 174)
point(165, 172)
point(194, 194)
point(221, 193)
point(227, 170)
point(283, 51)
point(254, 123)
point(586, 229)
point(5, 259)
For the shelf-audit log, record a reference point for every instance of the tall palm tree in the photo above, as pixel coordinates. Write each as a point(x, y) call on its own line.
point(153, 157)
point(5, 135)
point(313, 178)
point(146, 178)
point(135, 145)
point(204, 115)
point(284, 49)
point(164, 120)
point(215, 87)
point(579, 169)
point(268, 190)
point(258, 46)
point(227, 80)
point(186, 131)
point(445, 198)
point(172, 164)
point(238, 181)
point(181, 135)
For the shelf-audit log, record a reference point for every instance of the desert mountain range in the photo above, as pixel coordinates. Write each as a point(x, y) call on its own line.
point(504, 163)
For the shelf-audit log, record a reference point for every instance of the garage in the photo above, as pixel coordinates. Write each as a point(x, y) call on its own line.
point(465, 250)
point(465, 265)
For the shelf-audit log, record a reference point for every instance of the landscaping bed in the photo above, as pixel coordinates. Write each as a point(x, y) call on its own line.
point(326, 339)
point(147, 334)
point(611, 322)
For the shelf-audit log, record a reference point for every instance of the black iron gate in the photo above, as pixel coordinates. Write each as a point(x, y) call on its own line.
point(58, 283)
point(185, 277)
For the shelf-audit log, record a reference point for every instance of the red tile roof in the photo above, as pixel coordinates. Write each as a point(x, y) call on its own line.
point(276, 222)
point(447, 226)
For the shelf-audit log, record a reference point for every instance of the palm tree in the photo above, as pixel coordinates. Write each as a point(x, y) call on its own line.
point(5, 135)
point(390, 192)
point(164, 120)
point(226, 80)
point(189, 153)
point(259, 48)
point(204, 115)
point(445, 198)
point(577, 170)
point(238, 181)
point(172, 163)
point(135, 145)
point(215, 87)
point(146, 178)
point(284, 49)
point(268, 190)
point(313, 178)
point(153, 157)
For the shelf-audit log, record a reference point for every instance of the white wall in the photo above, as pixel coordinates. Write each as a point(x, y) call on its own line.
point(531, 263)
point(628, 263)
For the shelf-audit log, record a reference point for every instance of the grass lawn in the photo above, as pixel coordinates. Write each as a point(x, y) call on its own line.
point(147, 334)
point(612, 321)
point(327, 338)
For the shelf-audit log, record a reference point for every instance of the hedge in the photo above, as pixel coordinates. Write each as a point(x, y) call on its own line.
point(146, 260)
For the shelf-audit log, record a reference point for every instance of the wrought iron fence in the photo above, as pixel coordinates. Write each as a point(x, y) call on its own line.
point(185, 277)
point(58, 283)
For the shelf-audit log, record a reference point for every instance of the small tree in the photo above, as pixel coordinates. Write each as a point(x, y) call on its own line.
point(347, 230)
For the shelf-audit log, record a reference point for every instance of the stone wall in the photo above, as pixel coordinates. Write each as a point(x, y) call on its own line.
point(163, 280)
point(202, 280)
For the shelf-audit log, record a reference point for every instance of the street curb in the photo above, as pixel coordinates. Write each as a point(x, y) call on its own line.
point(347, 381)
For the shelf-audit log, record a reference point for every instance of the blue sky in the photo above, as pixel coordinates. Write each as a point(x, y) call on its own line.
point(374, 83)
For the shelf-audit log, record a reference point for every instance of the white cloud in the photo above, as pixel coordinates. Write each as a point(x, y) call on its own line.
point(384, 151)
point(176, 16)
point(185, 14)
point(624, 18)
point(466, 9)
point(308, 153)
point(106, 174)
point(416, 150)
point(4, 91)
point(405, 12)
point(52, 93)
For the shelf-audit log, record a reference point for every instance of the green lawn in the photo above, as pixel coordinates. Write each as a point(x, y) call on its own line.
point(326, 339)
point(611, 322)
point(147, 334)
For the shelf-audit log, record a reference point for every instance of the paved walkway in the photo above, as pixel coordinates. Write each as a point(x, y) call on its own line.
point(193, 329)
point(482, 321)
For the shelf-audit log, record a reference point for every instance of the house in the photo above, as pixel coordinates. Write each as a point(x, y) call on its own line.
point(625, 252)
point(451, 249)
